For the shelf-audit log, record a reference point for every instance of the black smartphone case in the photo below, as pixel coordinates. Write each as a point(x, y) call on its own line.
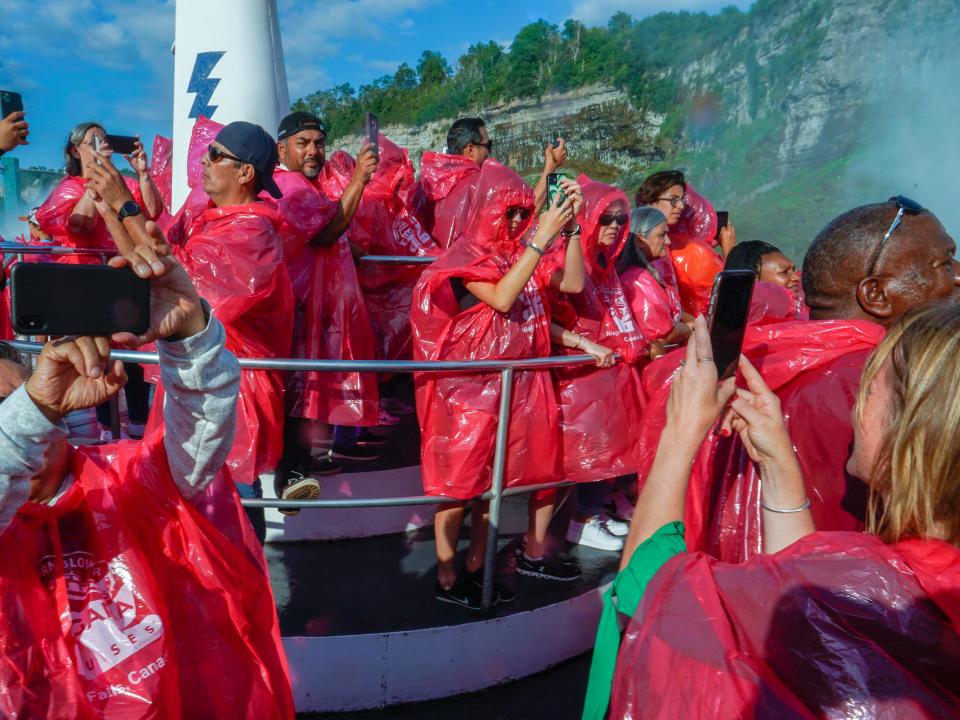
point(59, 299)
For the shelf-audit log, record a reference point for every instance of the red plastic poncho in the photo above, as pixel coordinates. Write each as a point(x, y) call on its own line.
point(599, 408)
point(6, 327)
point(332, 321)
point(161, 168)
point(838, 625)
point(444, 195)
point(383, 225)
point(54, 219)
point(123, 601)
point(772, 303)
point(235, 259)
point(655, 305)
point(458, 411)
point(814, 368)
point(692, 241)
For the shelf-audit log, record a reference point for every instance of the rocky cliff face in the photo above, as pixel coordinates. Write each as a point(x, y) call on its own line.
point(779, 124)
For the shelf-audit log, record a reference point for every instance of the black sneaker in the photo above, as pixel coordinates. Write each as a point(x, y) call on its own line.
point(298, 487)
point(368, 439)
point(354, 453)
point(561, 556)
point(463, 593)
point(501, 593)
point(547, 568)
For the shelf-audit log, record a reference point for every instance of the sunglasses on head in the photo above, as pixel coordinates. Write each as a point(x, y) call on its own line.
point(521, 212)
point(905, 206)
point(216, 155)
point(620, 219)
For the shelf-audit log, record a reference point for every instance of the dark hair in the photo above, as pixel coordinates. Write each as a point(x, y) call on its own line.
point(463, 132)
point(8, 353)
point(749, 256)
point(72, 164)
point(657, 184)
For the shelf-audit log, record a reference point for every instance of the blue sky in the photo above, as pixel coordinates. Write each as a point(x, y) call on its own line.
point(110, 60)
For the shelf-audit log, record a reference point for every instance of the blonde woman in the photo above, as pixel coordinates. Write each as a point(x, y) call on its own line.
point(827, 624)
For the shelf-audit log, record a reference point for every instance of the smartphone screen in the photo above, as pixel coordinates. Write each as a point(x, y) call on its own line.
point(723, 217)
point(554, 192)
point(373, 132)
point(89, 300)
point(122, 144)
point(10, 102)
point(729, 310)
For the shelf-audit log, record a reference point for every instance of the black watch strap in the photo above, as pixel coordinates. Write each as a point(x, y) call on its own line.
point(128, 209)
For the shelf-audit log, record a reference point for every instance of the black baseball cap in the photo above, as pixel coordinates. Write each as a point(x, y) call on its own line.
point(297, 121)
point(252, 144)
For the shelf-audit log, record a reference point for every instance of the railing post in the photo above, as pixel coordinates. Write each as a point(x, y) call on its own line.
point(499, 464)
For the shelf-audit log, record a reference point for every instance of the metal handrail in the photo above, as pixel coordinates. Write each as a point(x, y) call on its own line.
point(497, 492)
point(53, 249)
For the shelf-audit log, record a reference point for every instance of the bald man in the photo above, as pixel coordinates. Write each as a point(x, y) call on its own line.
point(865, 270)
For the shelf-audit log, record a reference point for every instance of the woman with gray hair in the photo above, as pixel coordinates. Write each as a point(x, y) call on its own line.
point(646, 273)
point(70, 215)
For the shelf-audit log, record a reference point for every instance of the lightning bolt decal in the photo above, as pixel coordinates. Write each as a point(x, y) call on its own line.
point(203, 85)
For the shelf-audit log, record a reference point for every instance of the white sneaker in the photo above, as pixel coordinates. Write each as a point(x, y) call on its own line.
point(619, 506)
point(593, 534)
point(616, 527)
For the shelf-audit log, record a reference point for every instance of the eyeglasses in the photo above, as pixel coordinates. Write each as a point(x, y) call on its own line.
point(488, 145)
point(674, 201)
point(216, 155)
point(620, 219)
point(905, 206)
point(521, 212)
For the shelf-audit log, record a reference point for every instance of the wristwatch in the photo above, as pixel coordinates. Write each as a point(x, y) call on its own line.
point(128, 209)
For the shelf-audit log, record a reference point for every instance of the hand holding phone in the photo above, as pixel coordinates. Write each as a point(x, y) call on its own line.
point(13, 128)
point(723, 217)
point(555, 194)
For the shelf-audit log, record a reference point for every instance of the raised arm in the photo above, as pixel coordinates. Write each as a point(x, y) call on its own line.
point(350, 200)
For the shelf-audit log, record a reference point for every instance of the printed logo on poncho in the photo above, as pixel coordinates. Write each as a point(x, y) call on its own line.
point(408, 233)
point(531, 307)
point(109, 618)
point(616, 303)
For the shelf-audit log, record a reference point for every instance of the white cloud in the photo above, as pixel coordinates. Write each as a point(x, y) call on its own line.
point(597, 12)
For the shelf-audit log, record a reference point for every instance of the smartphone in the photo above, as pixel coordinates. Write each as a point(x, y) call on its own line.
point(96, 149)
point(123, 144)
point(728, 313)
point(373, 132)
point(556, 141)
point(10, 102)
point(723, 217)
point(555, 194)
point(59, 299)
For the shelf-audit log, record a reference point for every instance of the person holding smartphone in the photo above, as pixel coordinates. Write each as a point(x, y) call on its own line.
point(486, 298)
point(14, 131)
point(69, 214)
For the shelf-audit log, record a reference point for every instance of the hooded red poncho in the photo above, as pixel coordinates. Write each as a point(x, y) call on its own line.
point(123, 601)
point(235, 258)
point(384, 225)
point(814, 368)
point(599, 408)
point(54, 219)
point(444, 195)
point(655, 305)
point(458, 411)
point(692, 241)
point(838, 625)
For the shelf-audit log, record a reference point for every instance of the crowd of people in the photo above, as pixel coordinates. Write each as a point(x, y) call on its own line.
point(788, 537)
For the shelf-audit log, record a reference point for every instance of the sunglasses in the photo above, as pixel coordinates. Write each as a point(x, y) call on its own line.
point(216, 155)
point(905, 206)
point(521, 212)
point(488, 145)
point(620, 219)
point(674, 201)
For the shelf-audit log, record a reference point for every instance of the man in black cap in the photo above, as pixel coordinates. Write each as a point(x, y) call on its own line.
point(233, 253)
point(317, 215)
